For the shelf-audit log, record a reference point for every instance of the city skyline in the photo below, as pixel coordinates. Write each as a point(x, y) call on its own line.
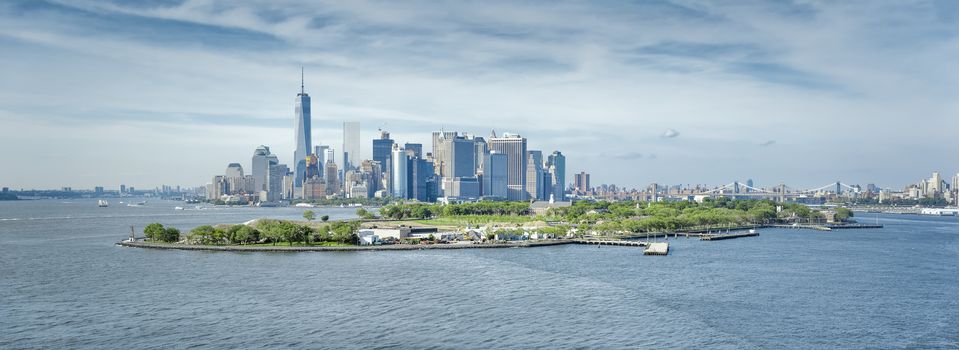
point(754, 97)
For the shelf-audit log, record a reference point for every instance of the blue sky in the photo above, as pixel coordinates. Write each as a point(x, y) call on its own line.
point(673, 92)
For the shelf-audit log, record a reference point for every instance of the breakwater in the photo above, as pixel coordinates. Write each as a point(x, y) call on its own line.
point(280, 248)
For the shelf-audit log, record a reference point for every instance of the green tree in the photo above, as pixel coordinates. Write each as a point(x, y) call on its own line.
point(153, 231)
point(309, 215)
point(170, 235)
point(843, 214)
point(205, 234)
point(325, 218)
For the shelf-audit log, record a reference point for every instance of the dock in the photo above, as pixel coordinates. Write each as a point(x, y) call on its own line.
point(716, 237)
point(657, 249)
point(612, 242)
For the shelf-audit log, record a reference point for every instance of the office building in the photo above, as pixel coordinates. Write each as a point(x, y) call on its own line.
point(423, 186)
point(582, 183)
point(262, 160)
point(534, 175)
point(332, 178)
point(414, 149)
point(301, 133)
point(495, 176)
point(322, 153)
point(556, 163)
point(351, 145)
point(514, 147)
point(275, 179)
point(382, 150)
point(398, 172)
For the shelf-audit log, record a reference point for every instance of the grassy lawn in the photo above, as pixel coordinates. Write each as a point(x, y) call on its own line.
point(463, 220)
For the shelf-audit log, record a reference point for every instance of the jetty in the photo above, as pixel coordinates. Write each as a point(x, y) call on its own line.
point(657, 249)
point(612, 242)
point(716, 237)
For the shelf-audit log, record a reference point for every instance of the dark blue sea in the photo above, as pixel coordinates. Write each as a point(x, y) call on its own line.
point(65, 285)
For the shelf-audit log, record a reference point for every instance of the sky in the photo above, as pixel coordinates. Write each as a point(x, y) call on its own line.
point(144, 93)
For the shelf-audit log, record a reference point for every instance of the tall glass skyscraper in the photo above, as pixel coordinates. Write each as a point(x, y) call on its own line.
point(301, 132)
point(514, 147)
point(351, 145)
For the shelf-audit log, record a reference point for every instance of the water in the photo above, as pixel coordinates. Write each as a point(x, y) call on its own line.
point(65, 285)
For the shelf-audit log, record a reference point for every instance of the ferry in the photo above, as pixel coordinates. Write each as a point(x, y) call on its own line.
point(177, 208)
point(102, 203)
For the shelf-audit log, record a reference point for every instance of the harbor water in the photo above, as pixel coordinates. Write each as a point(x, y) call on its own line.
point(64, 284)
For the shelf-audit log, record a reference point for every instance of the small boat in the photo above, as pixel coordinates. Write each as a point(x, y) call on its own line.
point(752, 230)
point(103, 203)
point(177, 208)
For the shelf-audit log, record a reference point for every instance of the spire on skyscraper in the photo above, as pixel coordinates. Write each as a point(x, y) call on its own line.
point(302, 90)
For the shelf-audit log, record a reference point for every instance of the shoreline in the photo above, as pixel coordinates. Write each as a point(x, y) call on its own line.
point(278, 248)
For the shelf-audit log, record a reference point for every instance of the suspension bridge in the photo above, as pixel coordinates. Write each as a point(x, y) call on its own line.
point(782, 192)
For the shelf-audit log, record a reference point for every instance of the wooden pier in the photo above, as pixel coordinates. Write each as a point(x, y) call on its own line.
point(716, 237)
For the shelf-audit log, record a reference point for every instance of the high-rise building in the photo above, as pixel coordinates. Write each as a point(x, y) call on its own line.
point(414, 149)
point(534, 175)
point(514, 147)
point(440, 150)
point(332, 178)
point(495, 175)
point(262, 159)
point(423, 181)
point(329, 155)
point(454, 155)
point(301, 133)
point(479, 145)
point(556, 163)
point(275, 181)
point(351, 145)
point(398, 172)
point(382, 149)
point(582, 183)
point(234, 170)
point(322, 154)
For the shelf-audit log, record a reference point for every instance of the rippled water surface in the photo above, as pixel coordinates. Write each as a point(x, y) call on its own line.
point(65, 285)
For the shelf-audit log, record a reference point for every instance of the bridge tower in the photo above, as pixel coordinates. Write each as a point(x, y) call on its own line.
point(782, 193)
point(838, 188)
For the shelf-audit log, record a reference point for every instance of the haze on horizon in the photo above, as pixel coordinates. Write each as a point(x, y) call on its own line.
point(99, 93)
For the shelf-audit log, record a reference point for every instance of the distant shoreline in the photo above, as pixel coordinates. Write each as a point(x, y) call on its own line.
point(281, 248)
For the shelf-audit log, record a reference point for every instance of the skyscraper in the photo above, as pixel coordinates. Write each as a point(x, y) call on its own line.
point(416, 149)
point(398, 172)
point(582, 183)
point(382, 148)
point(321, 154)
point(301, 133)
point(556, 163)
point(261, 168)
point(351, 145)
point(495, 175)
point(534, 175)
point(514, 147)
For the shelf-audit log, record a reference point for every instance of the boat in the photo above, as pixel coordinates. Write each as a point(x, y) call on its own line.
point(177, 208)
point(304, 205)
point(102, 203)
point(752, 230)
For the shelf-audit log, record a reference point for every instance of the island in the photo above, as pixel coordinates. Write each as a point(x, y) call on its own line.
point(490, 224)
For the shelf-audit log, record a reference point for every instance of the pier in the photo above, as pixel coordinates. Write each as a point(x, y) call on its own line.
point(657, 249)
point(612, 242)
point(716, 237)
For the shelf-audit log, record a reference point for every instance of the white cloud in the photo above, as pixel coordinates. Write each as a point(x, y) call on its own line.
point(584, 79)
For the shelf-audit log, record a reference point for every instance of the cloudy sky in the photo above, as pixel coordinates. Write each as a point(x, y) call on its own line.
point(674, 92)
